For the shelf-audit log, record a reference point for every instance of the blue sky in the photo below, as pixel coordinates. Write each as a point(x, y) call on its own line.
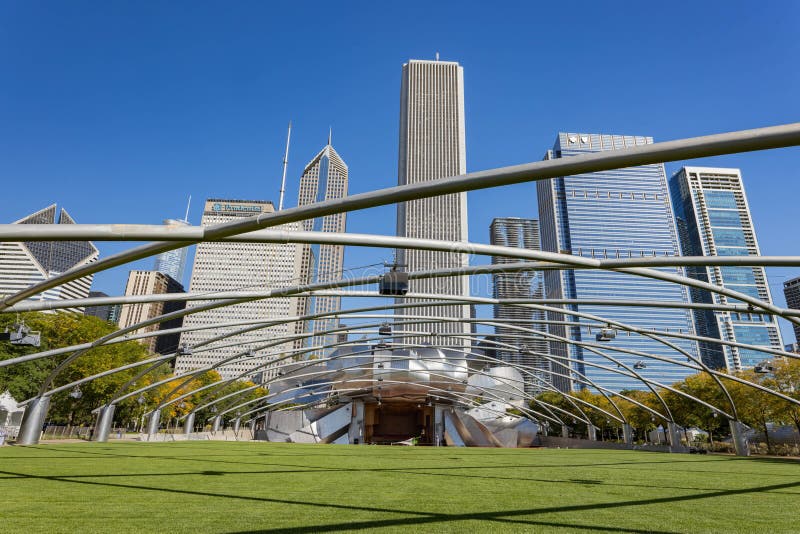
point(119, 110)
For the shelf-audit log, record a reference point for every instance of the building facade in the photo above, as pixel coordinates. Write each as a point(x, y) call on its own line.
point(324, 178)
point(533, 349)
point(791, 290)
point(152, 283)
point(432, 145)
point(27, 263)
point(714, 220)
point(229, 266)
point(620, 213)
point(173, 262)
point(106, 312)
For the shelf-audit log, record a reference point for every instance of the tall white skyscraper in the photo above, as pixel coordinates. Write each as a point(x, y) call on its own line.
point(247, 267)
point(25, 264)
point(324, 178)
point(432, 145)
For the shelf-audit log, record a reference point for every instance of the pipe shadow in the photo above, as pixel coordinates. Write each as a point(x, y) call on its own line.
point(425, 518)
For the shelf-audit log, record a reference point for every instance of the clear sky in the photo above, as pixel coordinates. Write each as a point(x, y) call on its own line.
point(119, 110)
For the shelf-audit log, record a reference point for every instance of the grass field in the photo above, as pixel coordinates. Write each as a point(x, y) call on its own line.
point(268, 487)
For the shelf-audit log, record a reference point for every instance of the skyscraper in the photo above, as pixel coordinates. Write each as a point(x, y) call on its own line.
point(229, 266)
point(25, 264)
point(791, 290)
point(714, 220)
point(173, 262)
point(152, 283)
point(432, 145)
point(621, 213)
point(324, 178)
point(521, 233)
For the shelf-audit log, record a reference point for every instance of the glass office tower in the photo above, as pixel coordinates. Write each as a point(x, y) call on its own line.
point(173, 262)
point(532, 349)
point(714, 220)
point(791, 290)
point(622, 213)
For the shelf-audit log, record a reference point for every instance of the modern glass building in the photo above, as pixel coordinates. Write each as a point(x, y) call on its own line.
point(714, 220)
point(791, 290)
point(622, 213)
point(533, 349)
point(106, 312)
point(173, 262)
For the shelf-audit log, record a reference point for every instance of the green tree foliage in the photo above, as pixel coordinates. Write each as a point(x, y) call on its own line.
point(62, 330)
point(755, 408)
point(786, 379)
point(66, 329)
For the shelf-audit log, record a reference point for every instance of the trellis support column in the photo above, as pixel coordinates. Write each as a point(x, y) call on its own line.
point(188, 424)
point(739, 440)
point(674, 438)
point(152, 424)
point(105, 419)
point(33, 420)
point(627, 433)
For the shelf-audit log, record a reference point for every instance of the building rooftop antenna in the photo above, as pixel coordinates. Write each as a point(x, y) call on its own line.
point(285, 162)
point(189, 203)
point(437, 56)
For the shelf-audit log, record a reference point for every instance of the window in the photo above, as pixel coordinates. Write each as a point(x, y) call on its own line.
point(725, 237)
point(725, 218)
point(720, 199)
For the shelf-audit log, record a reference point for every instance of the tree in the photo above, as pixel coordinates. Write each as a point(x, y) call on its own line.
point(786, 379)
point(755, 408)
point(61, 330)
point(688, 412)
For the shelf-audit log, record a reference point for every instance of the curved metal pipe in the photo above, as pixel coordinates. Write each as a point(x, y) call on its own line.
point(712, 145)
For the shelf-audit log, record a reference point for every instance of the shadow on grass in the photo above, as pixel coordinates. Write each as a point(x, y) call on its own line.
point(426, 518)
point(446, 472)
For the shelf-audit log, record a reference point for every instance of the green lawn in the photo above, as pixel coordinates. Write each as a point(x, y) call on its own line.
point(267, 487)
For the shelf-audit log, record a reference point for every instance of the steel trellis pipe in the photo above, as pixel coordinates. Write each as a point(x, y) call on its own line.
point(712, 145)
